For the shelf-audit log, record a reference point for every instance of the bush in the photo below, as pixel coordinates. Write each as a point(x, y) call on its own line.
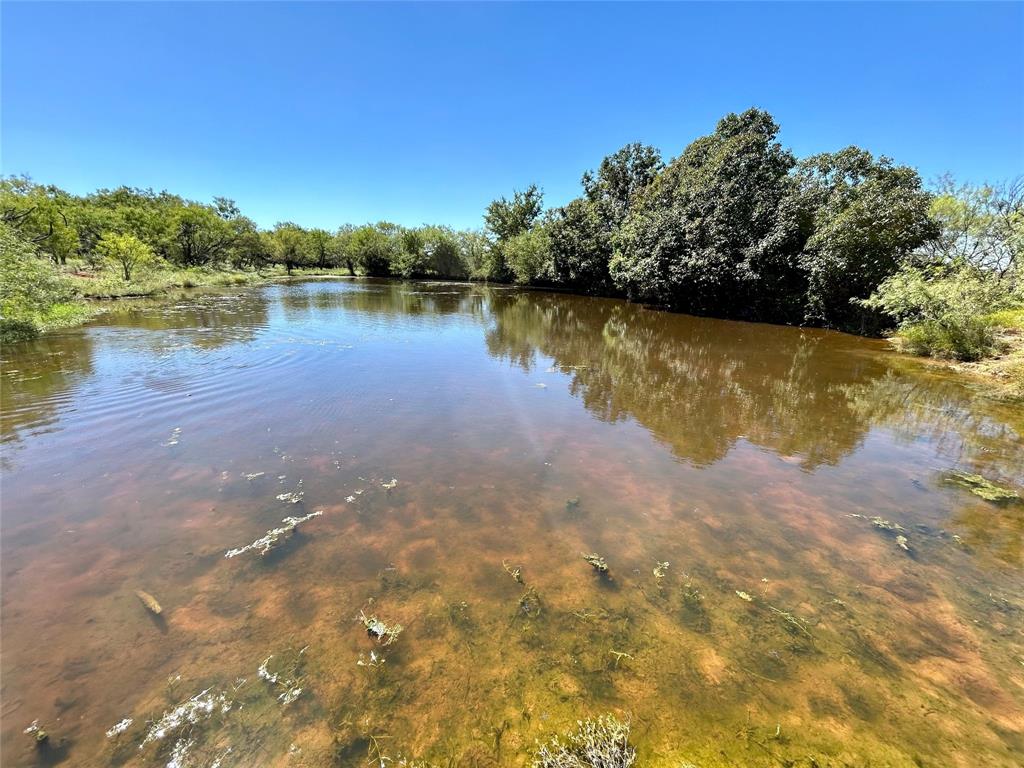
point(946, 311)
point(32, 290)
point(17, 330)
point(970, 339)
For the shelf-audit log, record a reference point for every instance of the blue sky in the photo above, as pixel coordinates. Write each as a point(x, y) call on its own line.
point(329, 113)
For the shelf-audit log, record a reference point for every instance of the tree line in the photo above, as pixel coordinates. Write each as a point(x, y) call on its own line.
point(735, 226)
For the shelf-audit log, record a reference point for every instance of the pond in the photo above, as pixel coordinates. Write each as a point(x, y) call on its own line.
point(795, 576)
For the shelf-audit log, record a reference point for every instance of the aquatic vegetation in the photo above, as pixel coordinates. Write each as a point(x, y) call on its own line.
point(529, 603)
point(119, 727)
point(619, 656)
point(291, 497)
point(286, 675)
point(597, 743)
point(516, 573)
point(895, 530)
point(597, 562)
point(372, 660)
point(384, 633)
point(175, 722)
point(150, 602)
point(981, 487)
point(660, 569)
point(37, 732)
point(274, 537)
point(693, 613)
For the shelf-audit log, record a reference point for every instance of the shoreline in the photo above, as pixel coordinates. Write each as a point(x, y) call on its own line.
point(1000, 377)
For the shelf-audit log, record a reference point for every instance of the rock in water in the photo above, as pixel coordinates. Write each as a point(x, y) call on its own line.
point(150, 602)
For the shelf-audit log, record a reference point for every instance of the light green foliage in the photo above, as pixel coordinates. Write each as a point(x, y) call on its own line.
point(528, 256)
point(979, 225)
point(444, 254)
point(43, 215)
point(474, 249)
point(410, 258)
point(33, 294)
point(323, 247)
point(290, 246)
point(124, 251)
point(944, 310)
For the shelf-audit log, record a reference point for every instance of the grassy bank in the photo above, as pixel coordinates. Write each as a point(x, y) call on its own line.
point(998, 370)
point(1004, 371)
point(107, 284)
point(58, 299)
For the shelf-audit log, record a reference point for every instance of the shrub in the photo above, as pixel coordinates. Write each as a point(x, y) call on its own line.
point(31, 288)
point(946, 310)
point(12, 329)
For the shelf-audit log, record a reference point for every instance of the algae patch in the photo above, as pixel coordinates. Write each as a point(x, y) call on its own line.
point(981, 487)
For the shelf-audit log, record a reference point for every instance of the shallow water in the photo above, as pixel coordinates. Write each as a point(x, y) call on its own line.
point(787, 629)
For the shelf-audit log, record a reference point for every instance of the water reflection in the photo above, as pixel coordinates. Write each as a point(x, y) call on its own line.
point(702, 385)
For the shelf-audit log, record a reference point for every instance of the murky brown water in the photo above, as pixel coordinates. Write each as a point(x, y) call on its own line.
point(787, 629)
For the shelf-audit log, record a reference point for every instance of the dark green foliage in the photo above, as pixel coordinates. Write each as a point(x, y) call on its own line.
point(869, 216)
point(504, 220)
point(581, 232)
point(374, 248)
point(693, 239)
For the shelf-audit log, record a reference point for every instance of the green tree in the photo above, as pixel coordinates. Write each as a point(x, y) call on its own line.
point(323, 246)
point(581, 232)
point(869, 216)
point(529, 256)
point(945, 310)
point(980, 225)
point(43, 215)
point(125, 251)
point(687, 242)
point(372, 247)
point(410, 257)
point(290, 245)
point(621, 178)
point(503, 220)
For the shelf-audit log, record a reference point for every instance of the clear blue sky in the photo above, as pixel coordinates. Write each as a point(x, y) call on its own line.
point(326, 113)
